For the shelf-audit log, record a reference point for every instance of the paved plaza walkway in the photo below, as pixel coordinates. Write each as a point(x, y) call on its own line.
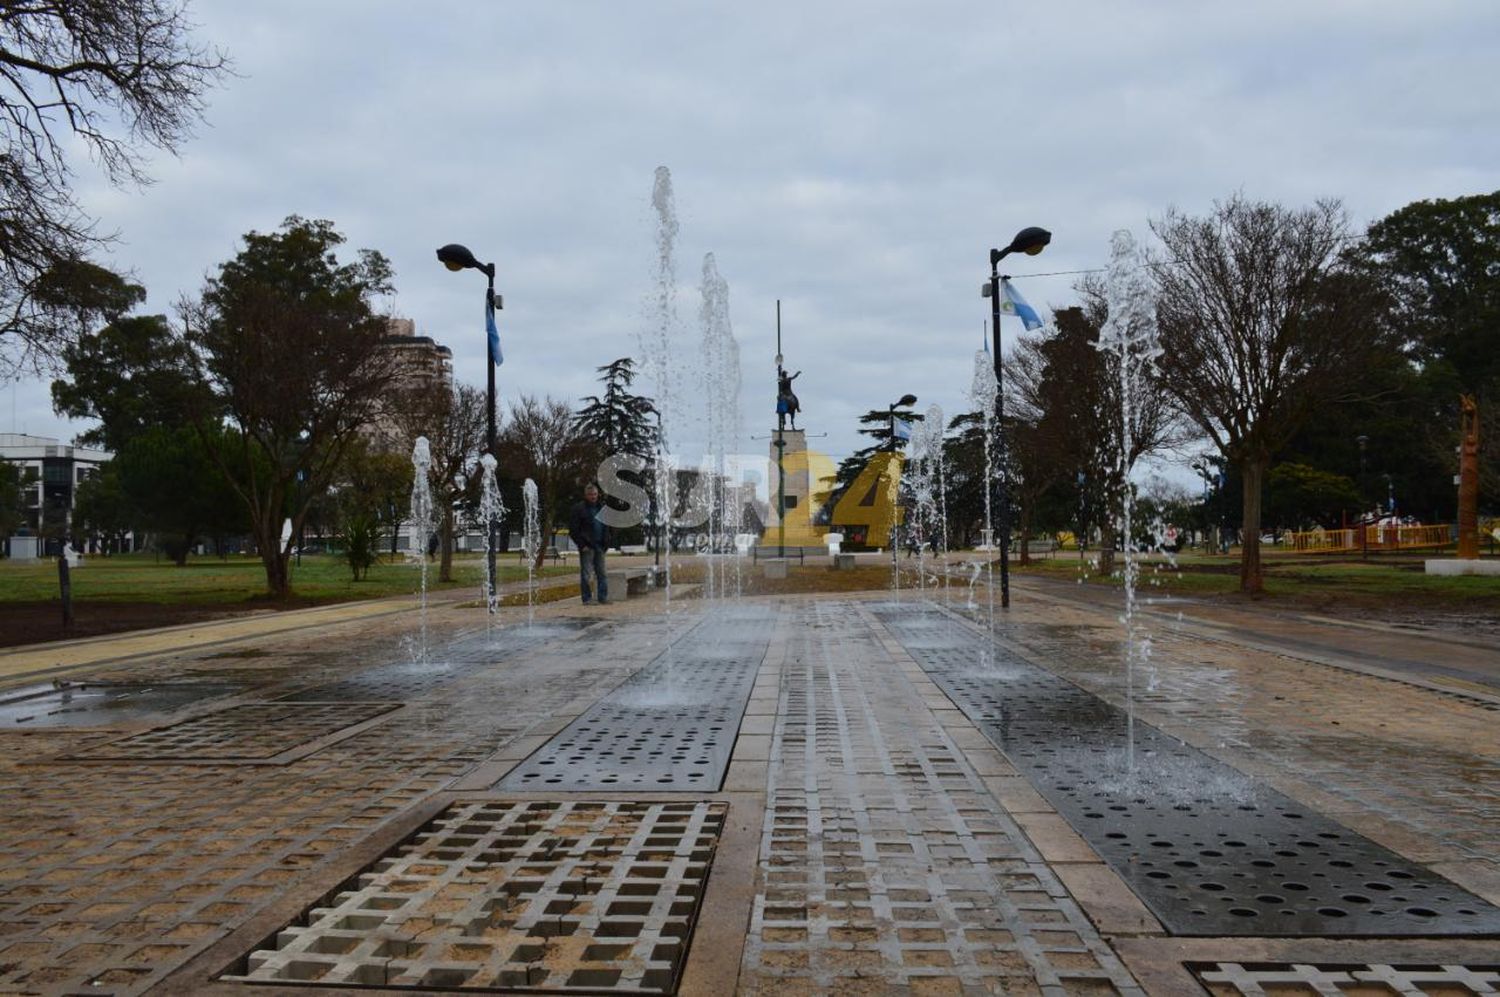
point(800, 795)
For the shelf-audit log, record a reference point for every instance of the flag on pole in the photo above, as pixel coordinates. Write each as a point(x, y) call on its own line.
point(496, 357)
point(903, 430)
point(1011, 303)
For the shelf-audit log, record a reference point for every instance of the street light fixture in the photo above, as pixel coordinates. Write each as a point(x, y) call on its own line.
point(1030, 240)
point(456, 258)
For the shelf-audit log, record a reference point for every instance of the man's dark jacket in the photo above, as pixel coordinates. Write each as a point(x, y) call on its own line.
point(581, 526)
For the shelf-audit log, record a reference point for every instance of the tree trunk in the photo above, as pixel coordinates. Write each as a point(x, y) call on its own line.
point(273, 558)
point(544, 541)
point(445, 534)
point(1024, 557)
point(1106, 548)
point(1252, 581)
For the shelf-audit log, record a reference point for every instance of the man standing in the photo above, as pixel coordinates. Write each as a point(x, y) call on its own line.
point(590, 535)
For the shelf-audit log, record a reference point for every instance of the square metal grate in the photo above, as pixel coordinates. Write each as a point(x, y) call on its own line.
point(534, 896)
point(250, 732)
point(1254, 979)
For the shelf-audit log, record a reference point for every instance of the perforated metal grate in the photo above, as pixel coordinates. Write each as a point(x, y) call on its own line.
point(579, 896)
point(670, 728)
point(1207, 849)
point(1233, 979)
point(247, 732)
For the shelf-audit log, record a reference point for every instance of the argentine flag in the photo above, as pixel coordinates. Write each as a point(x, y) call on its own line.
point(1011, 303)
point(903, 430)
point(496, 357)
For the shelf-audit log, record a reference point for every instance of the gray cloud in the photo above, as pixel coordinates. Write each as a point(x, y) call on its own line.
point(856, 160)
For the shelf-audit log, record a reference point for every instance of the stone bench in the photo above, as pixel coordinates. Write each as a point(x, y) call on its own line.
point(553, 554)
point(630, 581)
point(800, 554)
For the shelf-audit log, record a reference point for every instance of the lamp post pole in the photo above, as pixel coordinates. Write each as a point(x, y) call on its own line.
point(1029, 241)
point(491, 527)
point(906, 401)
point(1002, 493)
point(456, 257)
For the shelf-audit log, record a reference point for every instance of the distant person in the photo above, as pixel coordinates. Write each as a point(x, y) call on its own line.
point(591, 535)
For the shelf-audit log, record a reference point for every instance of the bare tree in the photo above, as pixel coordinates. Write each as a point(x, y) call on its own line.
point(541, 441)
point(1261, 324)
point(114, 76)
point(454, 424)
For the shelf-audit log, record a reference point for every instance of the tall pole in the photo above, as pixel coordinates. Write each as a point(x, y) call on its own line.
point(780, 450)
point(1002, 497)
point(890, 446)
point(490, 526)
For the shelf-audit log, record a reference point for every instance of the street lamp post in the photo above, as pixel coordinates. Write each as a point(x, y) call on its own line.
point(455, 258)
point(1030, 241)
point(1364, 530)
point(906, 401)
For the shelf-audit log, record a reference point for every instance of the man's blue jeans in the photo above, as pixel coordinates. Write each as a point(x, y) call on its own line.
point(591, 561)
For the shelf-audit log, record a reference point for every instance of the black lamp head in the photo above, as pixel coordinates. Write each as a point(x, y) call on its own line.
point(456, 257)
point(1030, 241)
point(907, 400)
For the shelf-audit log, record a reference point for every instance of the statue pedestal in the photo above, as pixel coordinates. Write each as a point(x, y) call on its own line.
point(801, 471)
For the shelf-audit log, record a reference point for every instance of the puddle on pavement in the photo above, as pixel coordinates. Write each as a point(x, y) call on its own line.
point(99, 704)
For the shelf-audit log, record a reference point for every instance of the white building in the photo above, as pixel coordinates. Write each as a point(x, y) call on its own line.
point(51, 472)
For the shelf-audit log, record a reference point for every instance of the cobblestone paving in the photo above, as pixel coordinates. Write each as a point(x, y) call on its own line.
point(112, 875)
point(885, 866)
point(1426, 761)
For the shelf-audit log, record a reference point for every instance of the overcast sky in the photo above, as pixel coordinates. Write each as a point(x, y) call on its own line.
point(856, 160)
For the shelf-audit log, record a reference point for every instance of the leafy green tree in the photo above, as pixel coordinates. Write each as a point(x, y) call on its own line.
point(618, 421)
point(102, 509)
point(290, 349)
point(963, 459)
point(374, 488)
point(12, 510)
point(1440, 262)
point(175, 490)
point(1302, 497)
point(116, 78)
point(132, 375)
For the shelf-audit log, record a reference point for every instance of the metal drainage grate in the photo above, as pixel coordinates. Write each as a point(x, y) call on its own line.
point(1210, 851)
point(254, 732)
point(670, 728)
point(1254, 979)
point(513, 896)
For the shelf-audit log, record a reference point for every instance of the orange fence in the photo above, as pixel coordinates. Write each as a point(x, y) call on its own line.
point(1376, 538)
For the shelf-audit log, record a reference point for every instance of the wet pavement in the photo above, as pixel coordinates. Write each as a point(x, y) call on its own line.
point(360, 816)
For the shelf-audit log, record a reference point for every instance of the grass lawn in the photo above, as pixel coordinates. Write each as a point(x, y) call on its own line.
point(1320, 581)
point(206, 581)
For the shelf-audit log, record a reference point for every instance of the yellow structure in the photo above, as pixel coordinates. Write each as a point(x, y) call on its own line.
point(868, 508)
